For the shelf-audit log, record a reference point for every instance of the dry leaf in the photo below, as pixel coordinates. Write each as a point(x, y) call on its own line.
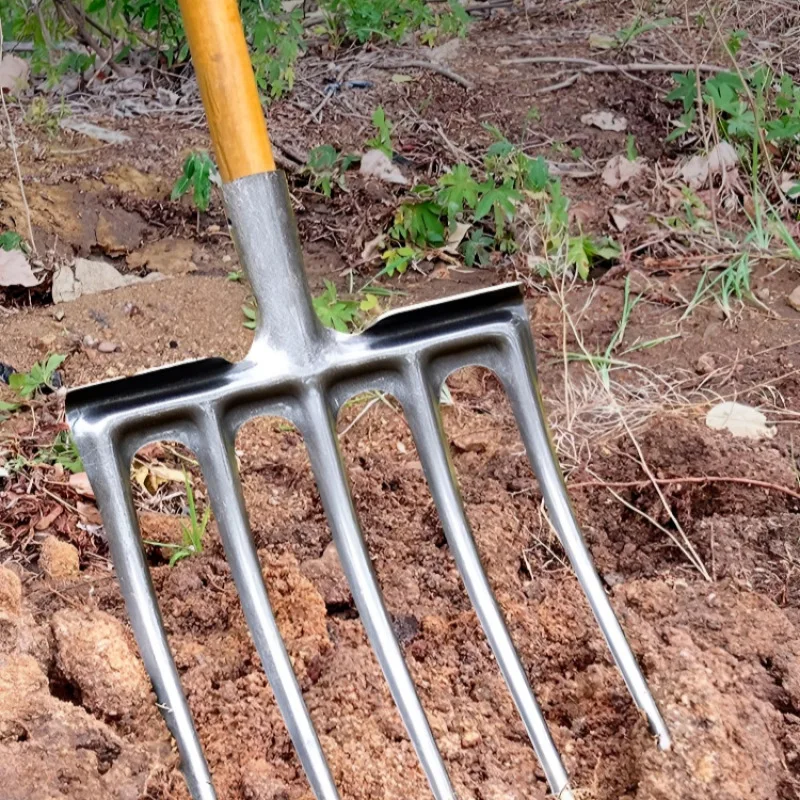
point(456, 237)
point(376, 164)
point(89, 513)
point(605, 120)
point(694, 173)
point(15, 269)
point(374, 247)
point(620, 171)
point(47, 520)
point(79, 482)
point(722, 158)
point(619, 219)
point(741, 420)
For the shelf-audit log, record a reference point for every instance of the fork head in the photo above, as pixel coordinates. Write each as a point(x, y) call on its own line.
point(299, 370)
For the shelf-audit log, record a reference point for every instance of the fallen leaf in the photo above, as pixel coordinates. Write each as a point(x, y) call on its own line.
point(13, 73)
point(89, 513)
point(620, 171)
point(605, 120)
point(47, 520)
point(601, 41)
point(94, 131)
point(402, 78)
point(722, 158)
point(741, 420)
point(619, 219)
point(456, 237)
point(694, 173)
point(376, 164)
point(79, 482)
point(15, 269)
point(374, 247)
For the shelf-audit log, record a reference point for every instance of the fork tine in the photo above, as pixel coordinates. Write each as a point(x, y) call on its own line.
point(108, 475)
point(518, 374)
point(218, 463)
point(422, 412)
point(334, 491)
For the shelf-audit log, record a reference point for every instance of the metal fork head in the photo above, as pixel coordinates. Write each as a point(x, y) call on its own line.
point(299, 370)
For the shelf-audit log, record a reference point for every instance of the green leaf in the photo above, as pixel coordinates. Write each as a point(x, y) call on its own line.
point(457, 189)
point(500, 199)
point(537, 175)
point(685, 91)
point(150, 17)
point(180, 188)
point(11, 240)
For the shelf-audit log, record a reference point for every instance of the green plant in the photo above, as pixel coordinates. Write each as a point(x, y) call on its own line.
point(399, 259)
point(43, 117)
point(63, 452)
point(383, 138)
point(7, 408)
point(26, 384)
point(326, 167)
point(191, 534)
point(631, 151)
point(624, 36)
point(198, 175)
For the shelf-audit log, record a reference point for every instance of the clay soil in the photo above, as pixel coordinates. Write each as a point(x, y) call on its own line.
point(78, 719)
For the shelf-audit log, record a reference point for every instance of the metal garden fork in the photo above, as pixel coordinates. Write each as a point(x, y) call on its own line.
point(299, 370)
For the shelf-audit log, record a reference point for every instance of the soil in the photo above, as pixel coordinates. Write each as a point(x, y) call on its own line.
point(77, 716)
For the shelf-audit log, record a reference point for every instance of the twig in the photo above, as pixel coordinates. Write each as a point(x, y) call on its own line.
point(13, 140)
point(429, 65)
point(692, 480)
point(593, 67)
point(554, 87)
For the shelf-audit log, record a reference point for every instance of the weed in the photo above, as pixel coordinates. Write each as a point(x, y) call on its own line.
point(41, 376)
point(732, 282)
point(631, 151)
point(41, 116)
point(326, 167)
point(198, 175)
point(624, 36)
point(235, 275)
point(63, 452)
point(383, 138)
point(191, 534)
point(7, 408)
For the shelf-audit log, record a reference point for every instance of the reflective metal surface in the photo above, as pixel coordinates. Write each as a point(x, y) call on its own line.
point(304, 372)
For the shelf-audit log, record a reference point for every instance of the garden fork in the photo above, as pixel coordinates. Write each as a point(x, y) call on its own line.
point(301, 371)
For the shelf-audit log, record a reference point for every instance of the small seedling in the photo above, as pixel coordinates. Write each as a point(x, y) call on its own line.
point(624, 36)
point(7, 408)
point(631, 150)
point(383, 139)
point(326, 167)
point(191, 534)
point(199, 173)
point(63, 452)
point(41, 376)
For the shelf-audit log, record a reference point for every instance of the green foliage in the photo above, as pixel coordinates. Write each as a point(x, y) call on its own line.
point(7, 408)
point(624, 36)
point(383, 138)
point(742, 108)
point(11, 240)
point(192, 534)
point(27, 384)
point(399, 259)
point(583, 252)
point(419, 224)
point(62, 451)
point(326, 167)
point(43, 117)
point(372, 20)
point(631, 151)
point(198, 174)
point(457, 190)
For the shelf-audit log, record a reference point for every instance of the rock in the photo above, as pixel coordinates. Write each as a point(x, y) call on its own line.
point(92, 653)
point(167, 256)
point(327, 575)
point(93, 131)
point(118, 231)
point(742, 421)
point(376, 164)
point(705, 364)
point(59, 559)
point(108, 347)
point(15, 269)
point(91, 277)
point(10, 592)
point(794, 298)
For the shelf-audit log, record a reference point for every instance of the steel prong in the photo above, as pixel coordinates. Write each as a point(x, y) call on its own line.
point(521, 385)
point(218, 464)
point(108, 474)
point(421, 408)
point(326, 462)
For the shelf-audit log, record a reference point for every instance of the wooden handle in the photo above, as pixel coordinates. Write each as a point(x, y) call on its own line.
point(228, 87)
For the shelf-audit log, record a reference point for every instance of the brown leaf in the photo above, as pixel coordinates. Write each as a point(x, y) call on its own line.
point(79, 482)
point(89, 513)
point(47, 520)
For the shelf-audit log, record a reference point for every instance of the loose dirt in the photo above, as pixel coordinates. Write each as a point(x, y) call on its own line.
point(77, 717)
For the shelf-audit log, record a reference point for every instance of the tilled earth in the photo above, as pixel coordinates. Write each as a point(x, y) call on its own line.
point(77, 716)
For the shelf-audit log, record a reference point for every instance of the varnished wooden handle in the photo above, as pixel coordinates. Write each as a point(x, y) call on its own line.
point(228, 87)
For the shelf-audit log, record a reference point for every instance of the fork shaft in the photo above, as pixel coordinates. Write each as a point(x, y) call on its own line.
point(521, 385)
point(218, 462)
point(108, 474)
point(422, 412)
point(326, 462)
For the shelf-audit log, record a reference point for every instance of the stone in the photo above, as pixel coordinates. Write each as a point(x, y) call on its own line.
point(794, 298)
point(327, 575)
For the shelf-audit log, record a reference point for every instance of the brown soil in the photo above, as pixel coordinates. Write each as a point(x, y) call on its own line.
point(77, 718)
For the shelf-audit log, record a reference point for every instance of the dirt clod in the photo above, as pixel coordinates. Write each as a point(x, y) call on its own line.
point(59, 559)
point(93, 654)
point(327, 575)
point(10, 592)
